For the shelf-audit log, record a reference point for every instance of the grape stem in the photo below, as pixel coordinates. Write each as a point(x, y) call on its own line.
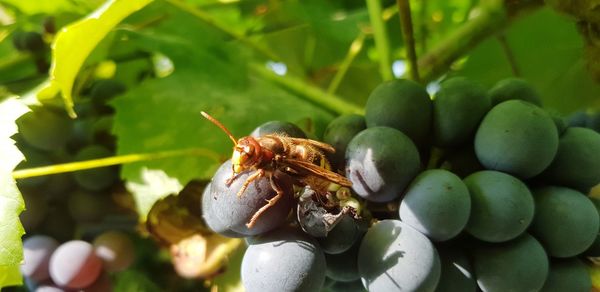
point(109, 161)
point(409, 38)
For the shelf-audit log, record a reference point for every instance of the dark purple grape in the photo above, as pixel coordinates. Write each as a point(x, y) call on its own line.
point(115, 249)
point(395, 257)
point(278, 127)
point(235, 212)
point(211, 218)
point(75, 265)
point(283, 260)
point(37, 250)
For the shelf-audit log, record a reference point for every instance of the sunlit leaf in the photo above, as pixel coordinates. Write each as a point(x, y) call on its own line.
point(76, 41)
point(11, 202)
point(155, 184)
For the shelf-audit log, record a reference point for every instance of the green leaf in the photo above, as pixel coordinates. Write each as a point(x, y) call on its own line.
point(74, 43)
point(11, 202)
point(154, 186)
point(210, 74)
point(548, 52)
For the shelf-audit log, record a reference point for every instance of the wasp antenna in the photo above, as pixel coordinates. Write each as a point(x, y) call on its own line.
point(214, 121)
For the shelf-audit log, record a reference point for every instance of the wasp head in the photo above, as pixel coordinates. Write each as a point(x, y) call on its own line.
point(246, 153)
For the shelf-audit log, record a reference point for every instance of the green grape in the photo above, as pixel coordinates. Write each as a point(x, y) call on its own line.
point(516, 137)
point(514, 88)
point(403, 105)
point(458, 107)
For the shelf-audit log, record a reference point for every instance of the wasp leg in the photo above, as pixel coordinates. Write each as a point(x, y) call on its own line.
point(270, 203)
point(257, 175)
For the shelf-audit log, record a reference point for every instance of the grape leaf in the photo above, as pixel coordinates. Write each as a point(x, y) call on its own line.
point(11, 202)
point(154, 186)
point(210, 74)
point(75, 42)
point(134, 281)
point(556, 70)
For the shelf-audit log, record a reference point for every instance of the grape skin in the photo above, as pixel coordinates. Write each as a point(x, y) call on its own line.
point(283, 260)
point(37, 251)
point(234, 212)
point(75, 265)
point(395, 257)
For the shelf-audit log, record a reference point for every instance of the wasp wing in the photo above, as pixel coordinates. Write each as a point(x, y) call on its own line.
point(300, 141)
point(300, 165)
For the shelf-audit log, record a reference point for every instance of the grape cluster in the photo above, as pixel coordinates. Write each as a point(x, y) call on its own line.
point(62, 208)
point(75, 265)
point(473, 189)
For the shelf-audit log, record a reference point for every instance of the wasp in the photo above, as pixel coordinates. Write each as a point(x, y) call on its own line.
point(276, 155)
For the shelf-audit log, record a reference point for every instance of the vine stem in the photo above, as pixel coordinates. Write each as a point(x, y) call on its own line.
point(109, 161)
point(381, 39)
point(490, 19)
point(409, 38)
point(510, 56)
point(312, 93)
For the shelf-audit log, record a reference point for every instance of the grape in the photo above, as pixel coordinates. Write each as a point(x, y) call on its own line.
point(502, 206)
point(514, 88)
point(344, 266)
point(577, 162)
point(37, 250)
point(568, 275)
point(58, 223)
point(35, 210)
point(33, 158)
point(95, 179)
point(457, 272)
point(50, 288)
point(560, 124)
point(87, 207)
point(75, 265)
point(566, 221)
point(458, 107)
point(395, 257)
point(283, 260)
point(593, 121)
point(577, 119)
point(45, 128)
point(400, 104)
point(28, 41)
point(234, 212)
point(437, 204)
point(105, 89)
point(115, 249)
point(463, 161)
point(341, 237)
point(517, 265)
point(339, 133)
point(278, 127)
point(380, 162)
point(211, 218)
point(516, 137)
